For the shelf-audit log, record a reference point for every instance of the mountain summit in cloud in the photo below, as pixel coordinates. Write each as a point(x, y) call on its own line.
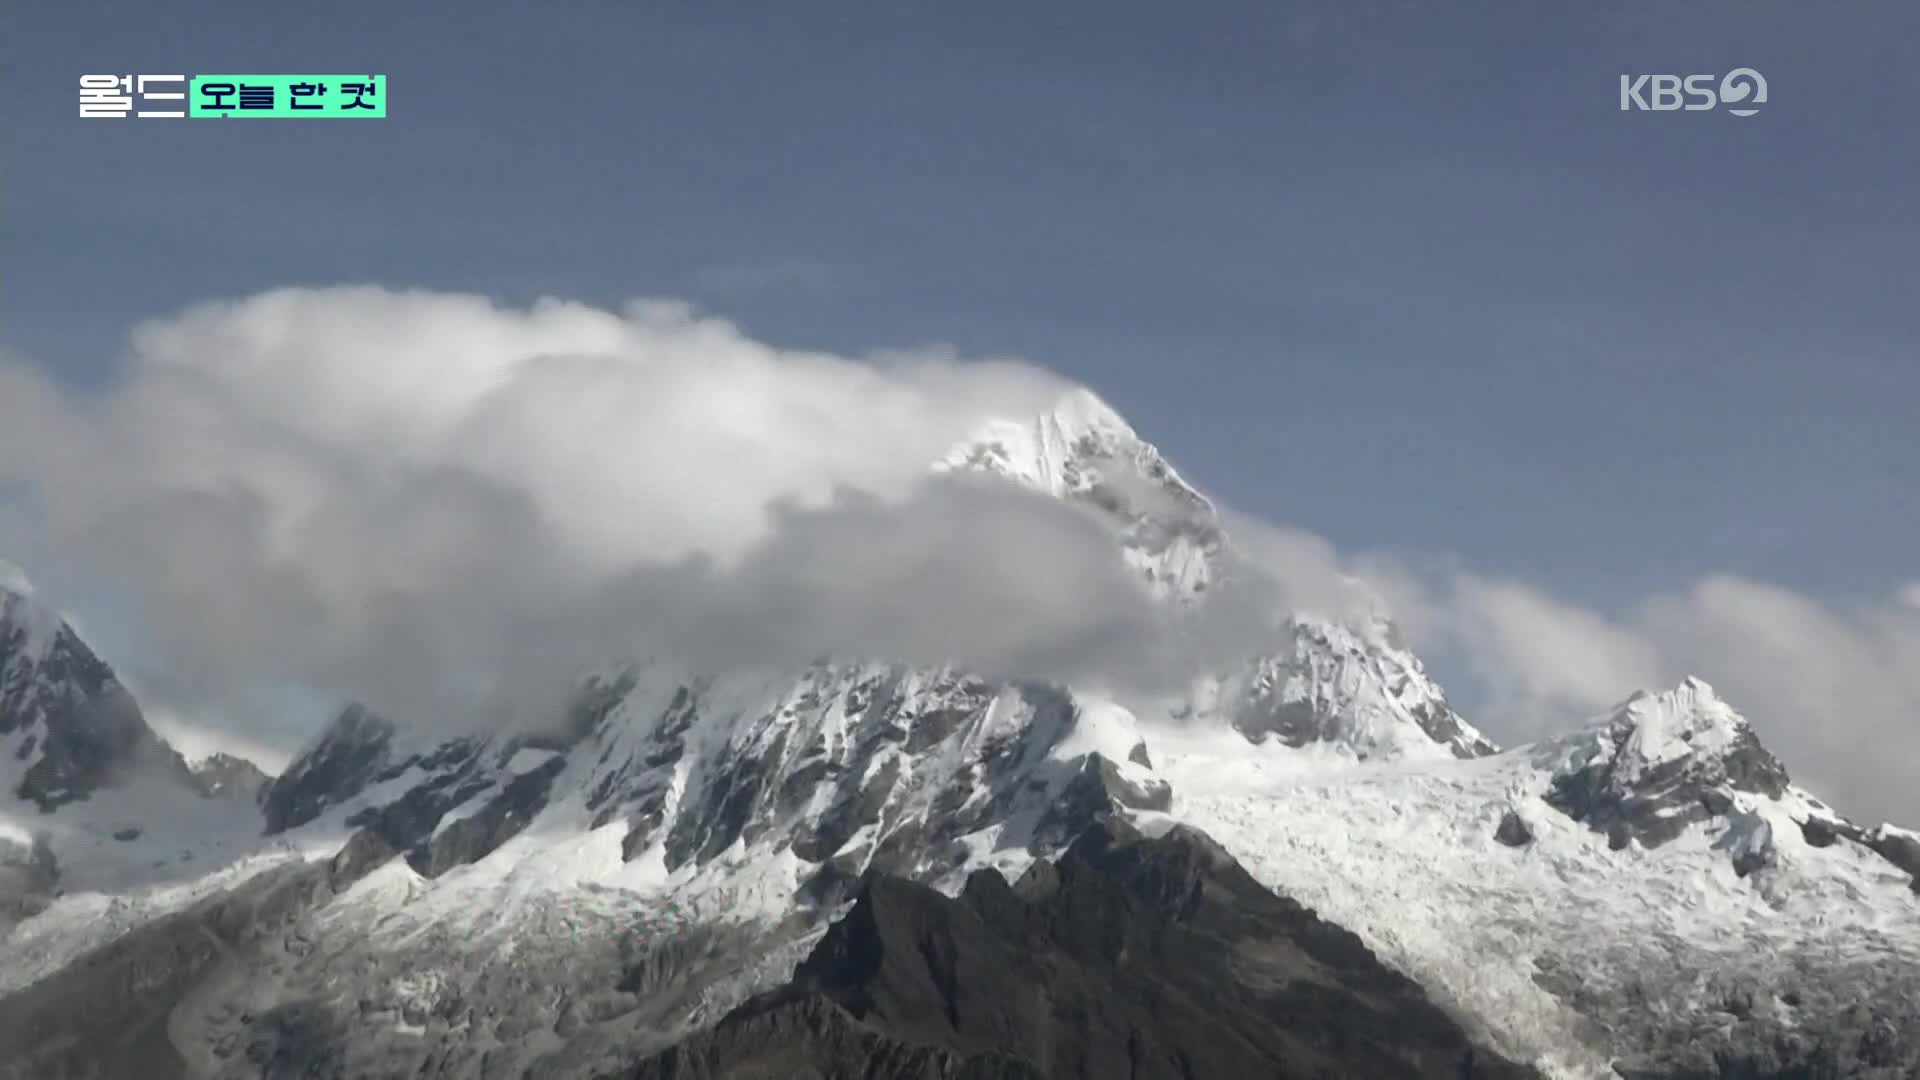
point(572, 897)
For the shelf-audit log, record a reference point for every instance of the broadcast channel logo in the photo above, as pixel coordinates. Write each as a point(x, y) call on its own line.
point(1740, 92)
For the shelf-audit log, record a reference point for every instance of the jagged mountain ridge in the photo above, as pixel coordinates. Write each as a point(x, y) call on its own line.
point(1082, 451)
point(697, 830)
point(1129, 956)
point(64, 716)
point(1656, 895)
point(833, 750)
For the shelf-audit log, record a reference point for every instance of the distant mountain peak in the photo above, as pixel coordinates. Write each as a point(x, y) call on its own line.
point(1660, 761)
point(1689, 722)
point(228, 776)
point(1082, 451)
point(66, 722)
point(1071, 449)
point(1352, 687)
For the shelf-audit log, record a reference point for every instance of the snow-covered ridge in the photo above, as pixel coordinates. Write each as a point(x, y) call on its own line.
point(1690, 720)
point(1735, 930)
point(1658, 763)
point(1536, 890)
point(27, 627)
point(1081, 450)
point(1350, 687)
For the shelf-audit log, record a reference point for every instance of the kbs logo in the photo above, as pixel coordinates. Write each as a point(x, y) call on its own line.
point(1740, 91)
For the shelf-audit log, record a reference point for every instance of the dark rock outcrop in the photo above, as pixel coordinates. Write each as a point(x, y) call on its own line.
point(229, 776)
point(1130, 957)
point(29, 877)
point(351, 755)
point(1513, 830)
point(1900, 850)
point(500, 819)
point(1329, 662)
point(364, 852)
point(357, 753)
point(1615, 790)
point(63, 707)
point(1897, 847)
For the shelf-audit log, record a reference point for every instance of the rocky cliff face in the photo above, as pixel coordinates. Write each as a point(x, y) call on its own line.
point(1354, 688)
point(1663, 762)
point(229, 776)
point(569, 904)
point(1130, 956)
point(64, 717)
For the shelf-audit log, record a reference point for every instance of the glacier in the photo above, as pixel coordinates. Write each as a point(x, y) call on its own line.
point(1648, 895)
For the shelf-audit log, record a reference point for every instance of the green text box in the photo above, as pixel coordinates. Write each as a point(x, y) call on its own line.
point(273, 97)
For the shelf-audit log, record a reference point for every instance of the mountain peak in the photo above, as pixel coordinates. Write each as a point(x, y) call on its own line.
point(1082, 451)
point(1054, 452)
point(1082, 412)
point(1690, 720)
point(1348, 687)
point(1661, 761)
point(67, 725)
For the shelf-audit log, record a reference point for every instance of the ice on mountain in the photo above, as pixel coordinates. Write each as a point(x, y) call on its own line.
point(1748, 841)
point(1658, 763)
point(718, 811)
point(1336, 686)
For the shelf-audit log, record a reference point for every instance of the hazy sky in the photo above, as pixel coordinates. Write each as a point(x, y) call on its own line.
point(1399, 273)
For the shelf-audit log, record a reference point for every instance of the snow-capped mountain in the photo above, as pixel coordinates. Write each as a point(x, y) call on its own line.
point(1647, 896)
point(1352, 687)
point(100, 820)
point(65, 720)
point(1082, 450)
point(1650, 891)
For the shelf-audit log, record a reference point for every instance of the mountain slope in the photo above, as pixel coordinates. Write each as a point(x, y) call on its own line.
point(1646, 891)
point(101, 822)
point(1672, 916)
point(64, 717)
point(1134, 957)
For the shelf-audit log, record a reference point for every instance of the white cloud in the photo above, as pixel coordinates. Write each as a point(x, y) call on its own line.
point(441, 506)
point(1540, 658)
point(444, 506)
point(1834, 691)
point(1910, 595)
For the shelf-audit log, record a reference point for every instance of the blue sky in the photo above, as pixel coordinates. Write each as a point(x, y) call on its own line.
point(1401, 273)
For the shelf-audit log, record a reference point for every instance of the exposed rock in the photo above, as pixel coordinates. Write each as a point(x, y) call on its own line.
point(1819, 832)
point(502, 817)
point(364, 852)
point(1900, 849)
point(228, 776)
point(1350, 687)
point(351, 755)
point(29, 877)
point(63, 709)
point(1749, 842)
point(1897, 846)
point(1130, 958)
point(1514, 830)
point(1661, 763)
